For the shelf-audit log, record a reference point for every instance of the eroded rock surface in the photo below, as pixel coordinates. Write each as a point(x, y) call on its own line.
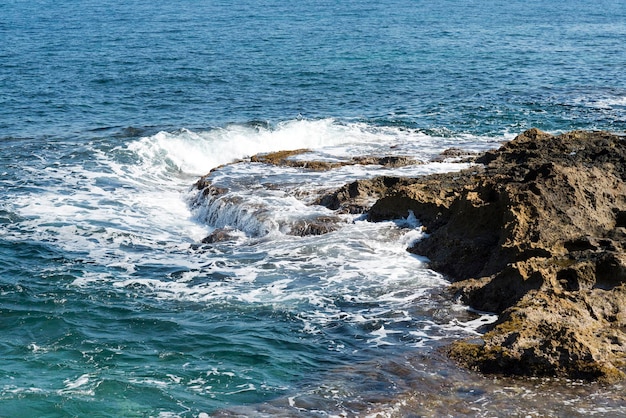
point(359, 196)
point(226, 205)
point(285, 159)
point(537, 234)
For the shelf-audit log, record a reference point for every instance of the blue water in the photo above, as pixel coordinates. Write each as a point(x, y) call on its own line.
point(109, 113)
point(470, 66)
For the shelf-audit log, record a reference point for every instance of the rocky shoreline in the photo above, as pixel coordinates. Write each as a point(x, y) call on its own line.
point(537, 235)
point(535, 231)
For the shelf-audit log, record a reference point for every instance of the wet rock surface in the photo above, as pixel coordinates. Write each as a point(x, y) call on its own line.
point(355, 199)
point(359, 196)
point(537, 234)
point(286, 159)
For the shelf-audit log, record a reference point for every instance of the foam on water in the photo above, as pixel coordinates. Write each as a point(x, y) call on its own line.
point(606, 102)
point(260, 198)
point(319, 280)
point(196, 153)
point(126, 212)
point(126, 224)
point(132, 194)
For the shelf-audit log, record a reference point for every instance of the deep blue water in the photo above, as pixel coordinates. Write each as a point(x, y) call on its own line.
point(110, 111)
point(465, 66)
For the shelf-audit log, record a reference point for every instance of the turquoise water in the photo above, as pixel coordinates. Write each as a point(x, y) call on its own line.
point(110, 305)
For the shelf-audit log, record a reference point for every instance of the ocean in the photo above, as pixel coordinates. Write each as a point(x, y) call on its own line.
point(110, 303)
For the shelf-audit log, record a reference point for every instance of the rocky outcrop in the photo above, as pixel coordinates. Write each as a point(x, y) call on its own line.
point(226, 206)
point(286, 159)
point(537, 234)
point(359, 196)
point(536, 231)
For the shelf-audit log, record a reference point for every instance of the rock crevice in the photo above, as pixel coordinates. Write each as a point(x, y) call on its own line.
point(537, 235)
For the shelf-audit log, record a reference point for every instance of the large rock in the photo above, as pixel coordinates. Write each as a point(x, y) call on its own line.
point(358, 196)
point(536, 234)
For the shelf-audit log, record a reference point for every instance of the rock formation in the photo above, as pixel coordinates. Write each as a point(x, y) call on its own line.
point(216, 200)
point(537, 233)
point(285, 159)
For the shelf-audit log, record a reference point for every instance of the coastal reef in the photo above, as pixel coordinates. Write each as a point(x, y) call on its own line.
point(536, 232)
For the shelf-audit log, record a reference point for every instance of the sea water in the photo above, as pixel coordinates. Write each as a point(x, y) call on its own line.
point(111, 305)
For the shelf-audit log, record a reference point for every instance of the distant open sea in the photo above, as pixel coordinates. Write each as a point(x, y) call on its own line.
point(110, 111)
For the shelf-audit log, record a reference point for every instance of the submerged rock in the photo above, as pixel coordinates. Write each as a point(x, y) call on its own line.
point(537, 235)
point(247, 207)
point(219, 235)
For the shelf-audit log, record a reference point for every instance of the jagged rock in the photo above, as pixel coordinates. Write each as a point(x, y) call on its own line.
point(284, 158)
point(456, 154)
point(219, 235)
point(358, 196)
point(316, 226)
point(537, 235)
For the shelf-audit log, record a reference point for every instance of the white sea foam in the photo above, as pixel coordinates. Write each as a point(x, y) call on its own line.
point(37, 349)
point(196, 153)
point(471, 326)
point(601, 102)
point(80, 381)
point(126, 212)
point(83, 385)
point(612, 102)
point(380, 336)
point(132, 195)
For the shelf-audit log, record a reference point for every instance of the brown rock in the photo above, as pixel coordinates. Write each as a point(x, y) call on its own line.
point(456, 154)
point(548, 334)
point(315, 226)
point(537, 235)
point(284, 158)
point(219, 235)
point(358, 196)
point(387, 161)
